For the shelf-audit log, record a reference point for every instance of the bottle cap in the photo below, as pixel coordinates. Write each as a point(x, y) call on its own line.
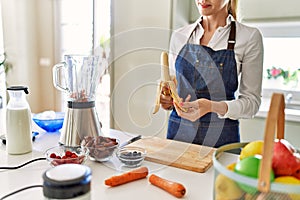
point(15, 88)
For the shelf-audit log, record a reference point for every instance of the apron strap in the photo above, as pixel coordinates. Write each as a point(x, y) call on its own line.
point(231, 40)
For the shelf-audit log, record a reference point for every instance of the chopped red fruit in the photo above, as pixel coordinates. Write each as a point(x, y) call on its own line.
point(74, 156)
point(52, 155)
point(68, 154)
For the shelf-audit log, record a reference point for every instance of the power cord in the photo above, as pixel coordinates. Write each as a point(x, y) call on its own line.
point(17, 167)
point(34, 134)
point(20, 190)
point(25, 188)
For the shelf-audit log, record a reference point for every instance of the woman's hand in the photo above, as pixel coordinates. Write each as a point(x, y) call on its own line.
point(195, 109)
point(200, 107)
point(166, 100)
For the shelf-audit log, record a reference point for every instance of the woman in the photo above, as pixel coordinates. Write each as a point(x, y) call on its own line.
point(215, 59)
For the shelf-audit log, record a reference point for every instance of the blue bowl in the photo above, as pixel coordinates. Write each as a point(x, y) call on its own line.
point(49, 124)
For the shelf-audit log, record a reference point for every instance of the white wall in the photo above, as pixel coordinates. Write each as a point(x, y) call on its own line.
point(141, 31)
point(29, 42)
point(28, 38)
point(266, 10)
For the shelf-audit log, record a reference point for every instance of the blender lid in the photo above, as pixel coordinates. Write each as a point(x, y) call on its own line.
point(15, 88)
point(67, 181)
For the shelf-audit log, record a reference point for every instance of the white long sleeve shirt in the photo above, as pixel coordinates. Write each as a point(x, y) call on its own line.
point(248, 54)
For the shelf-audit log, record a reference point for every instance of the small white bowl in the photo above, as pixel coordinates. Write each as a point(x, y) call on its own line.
point(65, 155)
point(131, 156)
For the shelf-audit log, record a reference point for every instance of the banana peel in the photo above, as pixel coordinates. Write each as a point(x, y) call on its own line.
point(166, 80)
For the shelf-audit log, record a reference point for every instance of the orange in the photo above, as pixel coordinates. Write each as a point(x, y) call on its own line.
point(231, 166)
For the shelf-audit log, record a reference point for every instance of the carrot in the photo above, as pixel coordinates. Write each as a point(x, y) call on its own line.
point(174, 188)
point(126, 177)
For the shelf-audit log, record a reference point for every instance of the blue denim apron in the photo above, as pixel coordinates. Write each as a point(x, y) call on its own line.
point(205, 73)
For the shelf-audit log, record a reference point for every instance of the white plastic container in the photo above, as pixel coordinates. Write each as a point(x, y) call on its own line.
point(18, 122)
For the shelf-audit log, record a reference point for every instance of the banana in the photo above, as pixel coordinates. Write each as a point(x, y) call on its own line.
point(166, 80)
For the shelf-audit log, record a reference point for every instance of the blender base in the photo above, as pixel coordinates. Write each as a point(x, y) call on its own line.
point(78, 123)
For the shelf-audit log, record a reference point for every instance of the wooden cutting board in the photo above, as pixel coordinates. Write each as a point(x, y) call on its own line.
point(177, 154)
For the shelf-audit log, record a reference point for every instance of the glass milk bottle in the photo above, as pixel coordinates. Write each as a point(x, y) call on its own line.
point(18, 121)
point(2, 99)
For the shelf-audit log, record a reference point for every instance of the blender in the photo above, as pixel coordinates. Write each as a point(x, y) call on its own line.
point(78, 77)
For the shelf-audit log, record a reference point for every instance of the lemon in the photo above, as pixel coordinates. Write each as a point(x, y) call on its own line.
point(252, 149)
point(289, 180)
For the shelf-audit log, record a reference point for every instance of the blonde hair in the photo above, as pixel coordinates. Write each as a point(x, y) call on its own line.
point(232, 8)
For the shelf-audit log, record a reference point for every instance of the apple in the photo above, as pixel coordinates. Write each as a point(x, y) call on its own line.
point(249, 166)
point(285, 160)
point(297, 172)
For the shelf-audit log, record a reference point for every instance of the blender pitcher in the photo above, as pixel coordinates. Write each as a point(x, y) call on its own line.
point(78, 76)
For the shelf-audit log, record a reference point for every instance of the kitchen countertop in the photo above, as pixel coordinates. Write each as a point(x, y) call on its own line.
point(291, 114)
point(198, 185)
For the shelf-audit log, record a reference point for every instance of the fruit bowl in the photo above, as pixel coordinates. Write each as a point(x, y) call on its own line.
point(49, 121)
point(229, 184)
point(248, 176)
point(101, 148)
point(65, 155)
point(131, 156)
